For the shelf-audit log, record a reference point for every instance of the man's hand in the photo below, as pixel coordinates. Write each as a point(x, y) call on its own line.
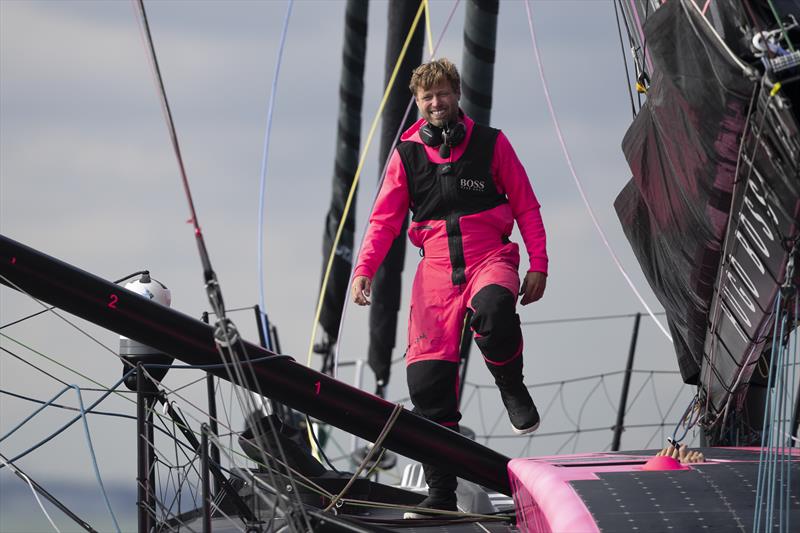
point(360, 290)
point(533, 287)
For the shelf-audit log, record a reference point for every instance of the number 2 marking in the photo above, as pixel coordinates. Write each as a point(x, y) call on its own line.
point(317, 386)
point(112, 304)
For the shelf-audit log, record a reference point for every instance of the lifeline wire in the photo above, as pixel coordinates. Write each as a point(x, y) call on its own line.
point(33, 490)
point(263, 319)
point(82, 415)
point(575, 176)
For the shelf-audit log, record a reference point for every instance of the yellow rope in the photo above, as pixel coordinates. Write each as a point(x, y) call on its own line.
point(428, 26)
point(350, 195)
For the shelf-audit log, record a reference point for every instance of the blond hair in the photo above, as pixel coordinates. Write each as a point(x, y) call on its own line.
point(437, 71)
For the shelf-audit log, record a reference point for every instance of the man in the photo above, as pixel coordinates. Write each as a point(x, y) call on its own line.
point(465, 187)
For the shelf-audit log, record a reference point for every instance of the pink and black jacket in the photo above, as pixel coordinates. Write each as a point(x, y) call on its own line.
point(463, 208)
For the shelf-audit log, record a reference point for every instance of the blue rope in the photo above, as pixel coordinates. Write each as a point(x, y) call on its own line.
point(36, 412)
point(68, 424)
point(762, 466)
point(793, 389)
point(263, 320)
point(94, 457)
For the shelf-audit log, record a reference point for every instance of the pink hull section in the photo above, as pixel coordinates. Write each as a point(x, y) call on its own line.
point(547, 501)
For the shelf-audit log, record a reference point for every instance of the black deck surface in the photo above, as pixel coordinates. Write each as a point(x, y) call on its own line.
point(710, 497)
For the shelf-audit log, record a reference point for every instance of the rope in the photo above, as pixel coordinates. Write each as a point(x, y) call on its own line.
point(95, 466)
point(263, 320)
point(35, 494)
point(575, 176)
point(378, 442)
point(624, 59)
point(428, 26)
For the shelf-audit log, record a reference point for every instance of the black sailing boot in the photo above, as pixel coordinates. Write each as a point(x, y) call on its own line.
point(519, 404)
point(441, 493)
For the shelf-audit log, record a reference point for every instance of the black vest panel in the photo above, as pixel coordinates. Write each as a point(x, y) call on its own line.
point(459, 188)
point(447, 191)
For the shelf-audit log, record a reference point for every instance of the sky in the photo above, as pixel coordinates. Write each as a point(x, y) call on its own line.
point(88, 175)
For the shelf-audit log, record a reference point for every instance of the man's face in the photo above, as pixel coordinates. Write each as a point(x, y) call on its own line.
point(439, 104)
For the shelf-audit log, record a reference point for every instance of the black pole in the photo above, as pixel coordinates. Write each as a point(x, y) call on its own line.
point(211, 391)
point(142, 455)
point(183, 337)
point(623, 400)
point(206, 481)
point(212, 422)
point(477, 71)
point(149, 428)
point(387, 282)
point(348, 143)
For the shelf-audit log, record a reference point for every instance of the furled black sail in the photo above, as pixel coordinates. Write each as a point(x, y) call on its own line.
point(348, 140)
point(386, 285)
point(714, 197)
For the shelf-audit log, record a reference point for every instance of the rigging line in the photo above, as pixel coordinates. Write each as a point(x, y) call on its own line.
point(65, 407)
point(624, 59)
point(583, 378)
point(746, 70)
point(263, 181)
point(165, 108)
point(37, 313)
point(265, 447)
point(68, 408)
point(575, 176)
point(582, 319)
point(112, 390)
point(45, 372)
point(230, 346)
point(108, 390)
point(762, 457)
point(378, 189)
point(33, 490)
point(36, 487)
point(52, 310)
point(398, 409)
point(356, 177)
point(428, 26)
point(642, 38)
point(96, 467)
point(65, 426)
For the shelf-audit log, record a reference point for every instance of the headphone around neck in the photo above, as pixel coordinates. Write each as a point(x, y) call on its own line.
point(445, 138)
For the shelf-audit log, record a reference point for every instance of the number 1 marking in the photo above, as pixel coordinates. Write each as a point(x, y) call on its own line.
point(317, 386)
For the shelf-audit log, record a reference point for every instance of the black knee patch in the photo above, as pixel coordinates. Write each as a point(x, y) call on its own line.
point(496, 323)
point(433, 387)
